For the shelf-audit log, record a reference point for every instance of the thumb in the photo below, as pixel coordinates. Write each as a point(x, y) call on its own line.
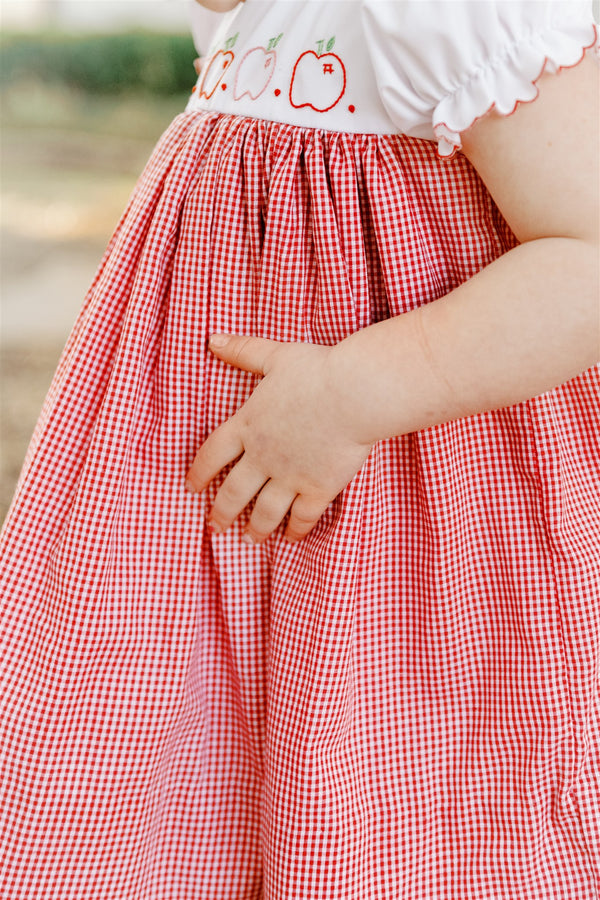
point(248, 353)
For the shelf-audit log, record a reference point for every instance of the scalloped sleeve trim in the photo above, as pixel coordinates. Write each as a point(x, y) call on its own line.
point(510, 80)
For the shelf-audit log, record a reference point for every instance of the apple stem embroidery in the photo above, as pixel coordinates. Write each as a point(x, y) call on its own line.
point(321, 46)
point(274, 41)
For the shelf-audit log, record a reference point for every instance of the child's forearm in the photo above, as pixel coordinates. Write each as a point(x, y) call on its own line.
point(523, 325)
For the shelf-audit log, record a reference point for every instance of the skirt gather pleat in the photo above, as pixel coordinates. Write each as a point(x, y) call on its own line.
point(403, 706)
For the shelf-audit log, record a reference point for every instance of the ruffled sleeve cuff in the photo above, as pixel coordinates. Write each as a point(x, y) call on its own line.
point(510, 79)
point(442, 64)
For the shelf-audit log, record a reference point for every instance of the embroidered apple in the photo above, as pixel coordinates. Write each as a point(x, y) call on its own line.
point(254, 73)
point(318, 81)
point(214, 72)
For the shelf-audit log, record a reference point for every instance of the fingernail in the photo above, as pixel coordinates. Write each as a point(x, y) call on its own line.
point(214, 528)
point(218, 340)
point(189, 487)
point(247, 539)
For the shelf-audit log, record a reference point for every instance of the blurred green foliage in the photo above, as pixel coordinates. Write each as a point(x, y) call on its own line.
point(100, 63)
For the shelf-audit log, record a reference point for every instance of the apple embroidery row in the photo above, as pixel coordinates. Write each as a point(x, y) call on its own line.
point(318, 79)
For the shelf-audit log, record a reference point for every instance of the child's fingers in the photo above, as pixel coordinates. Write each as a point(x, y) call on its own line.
point(218, 450)
point(241, 485)
point(270, 509)
point(304, 515)
point(243, 352)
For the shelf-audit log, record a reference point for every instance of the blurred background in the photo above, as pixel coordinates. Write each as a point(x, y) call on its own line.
point(86, 89)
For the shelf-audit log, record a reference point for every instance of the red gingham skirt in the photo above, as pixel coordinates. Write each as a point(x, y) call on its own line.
point(404, 706)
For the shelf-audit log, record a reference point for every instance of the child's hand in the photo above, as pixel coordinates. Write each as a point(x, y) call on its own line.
point(296, 447)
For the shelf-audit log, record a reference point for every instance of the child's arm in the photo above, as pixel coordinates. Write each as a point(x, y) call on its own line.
point(530, 320)
point(523, 325)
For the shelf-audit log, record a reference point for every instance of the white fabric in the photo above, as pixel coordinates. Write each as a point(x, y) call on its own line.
point(295, 61)
point(204, 24)
point(442, 64)
point(425, 68)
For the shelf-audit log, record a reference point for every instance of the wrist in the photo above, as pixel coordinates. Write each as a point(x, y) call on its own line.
point(388, 380)
point(361, 387)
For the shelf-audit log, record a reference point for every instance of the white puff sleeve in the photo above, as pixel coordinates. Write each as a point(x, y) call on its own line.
point(442, 64)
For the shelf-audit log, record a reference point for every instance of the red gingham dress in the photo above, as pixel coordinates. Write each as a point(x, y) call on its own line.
point(404, 705)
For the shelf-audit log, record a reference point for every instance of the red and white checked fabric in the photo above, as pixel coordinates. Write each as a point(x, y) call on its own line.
point(404, 706)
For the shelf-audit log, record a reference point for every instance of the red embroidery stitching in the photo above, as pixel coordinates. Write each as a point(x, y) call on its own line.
point(215, 72)
point(326, 73)
point(443, 131)
point(253, 74)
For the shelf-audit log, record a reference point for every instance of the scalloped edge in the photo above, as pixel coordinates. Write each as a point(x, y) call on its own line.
point(449, 137)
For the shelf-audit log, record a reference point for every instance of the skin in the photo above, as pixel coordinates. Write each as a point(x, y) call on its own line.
point(219, 5)
point(525, 324)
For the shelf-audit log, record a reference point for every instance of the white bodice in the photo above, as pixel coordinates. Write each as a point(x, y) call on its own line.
point(425, 68)
point(299, 61)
